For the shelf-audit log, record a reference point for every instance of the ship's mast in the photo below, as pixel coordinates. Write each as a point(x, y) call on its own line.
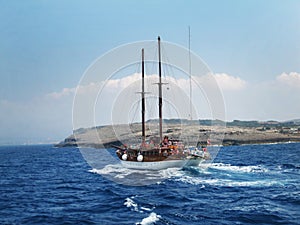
point(143, 99)
point(159, 90)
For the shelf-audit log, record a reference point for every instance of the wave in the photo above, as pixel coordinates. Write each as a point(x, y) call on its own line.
point(129, 203)
point(150, 219)
point(122, 172)
point(238, 169)
point(227, 175)
point(119, 174)
point(227, 182)
point(212, 174)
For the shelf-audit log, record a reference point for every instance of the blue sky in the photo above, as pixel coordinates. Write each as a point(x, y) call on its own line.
point(45, 46)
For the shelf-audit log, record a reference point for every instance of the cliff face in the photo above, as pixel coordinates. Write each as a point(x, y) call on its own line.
point(234, 133)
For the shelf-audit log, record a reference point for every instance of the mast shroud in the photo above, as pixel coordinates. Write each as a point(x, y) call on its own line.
point(159, 90)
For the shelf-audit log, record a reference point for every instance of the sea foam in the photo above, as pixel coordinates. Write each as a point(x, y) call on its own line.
point(151, 219)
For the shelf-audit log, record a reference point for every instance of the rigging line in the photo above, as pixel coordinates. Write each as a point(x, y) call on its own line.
point(150, 89)
point(152, 108)
point(151, 69)
point(169, 69)
point(165, 62)
point(138, 67)
point(135, 112)
point(152, 62)
point(135, 105)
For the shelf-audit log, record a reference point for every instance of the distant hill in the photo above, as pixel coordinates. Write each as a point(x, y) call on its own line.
point(235, 132)
point(255, 123)
point(235, 123)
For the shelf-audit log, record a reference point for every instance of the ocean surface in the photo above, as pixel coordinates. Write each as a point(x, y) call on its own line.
point(253, 184)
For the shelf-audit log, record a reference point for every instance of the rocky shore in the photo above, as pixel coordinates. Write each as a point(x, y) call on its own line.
point(218, 132)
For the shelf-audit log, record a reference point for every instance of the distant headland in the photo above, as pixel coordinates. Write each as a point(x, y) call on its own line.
point(236, 132)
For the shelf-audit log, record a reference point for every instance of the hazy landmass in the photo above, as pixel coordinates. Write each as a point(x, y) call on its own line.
point(218, 132)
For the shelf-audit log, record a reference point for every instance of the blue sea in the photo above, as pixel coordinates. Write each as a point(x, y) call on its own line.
point(252, 184)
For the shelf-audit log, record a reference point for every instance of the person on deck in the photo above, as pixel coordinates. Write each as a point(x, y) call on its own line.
point(165, 142)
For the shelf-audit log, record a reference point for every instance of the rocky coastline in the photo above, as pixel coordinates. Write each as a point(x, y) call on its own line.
point(218, 132)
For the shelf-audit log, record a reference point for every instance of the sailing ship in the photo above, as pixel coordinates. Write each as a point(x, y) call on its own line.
point(166, 154)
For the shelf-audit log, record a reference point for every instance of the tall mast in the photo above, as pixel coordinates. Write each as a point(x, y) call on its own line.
point(143, 99)
point(159, 91)
point(190, 74)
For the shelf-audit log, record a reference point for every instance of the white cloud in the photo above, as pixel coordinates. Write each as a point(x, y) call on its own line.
point(111, 85)
point(271, 99)
point(229, 83)
point(292, 79)
point(122, 82)
point(64, 92)
point(114, 86)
